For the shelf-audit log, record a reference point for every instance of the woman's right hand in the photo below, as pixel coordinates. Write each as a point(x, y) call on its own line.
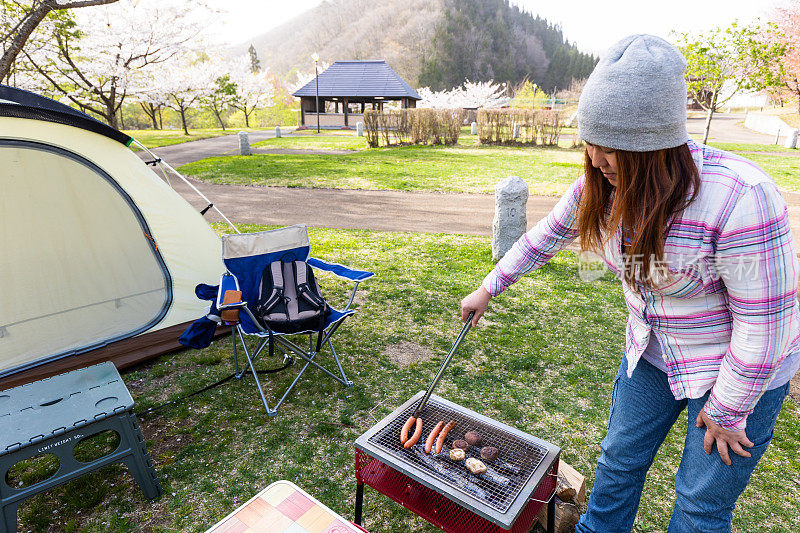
point(478, 301)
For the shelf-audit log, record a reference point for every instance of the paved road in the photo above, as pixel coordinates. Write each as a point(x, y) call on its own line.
point(727, 128)
point(469, 214)
point(421, 212)
point(180, 154)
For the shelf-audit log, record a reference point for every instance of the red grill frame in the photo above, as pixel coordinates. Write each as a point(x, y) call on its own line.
point(440, 510)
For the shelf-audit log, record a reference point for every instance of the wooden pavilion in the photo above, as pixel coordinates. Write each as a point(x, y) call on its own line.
point(348, 88)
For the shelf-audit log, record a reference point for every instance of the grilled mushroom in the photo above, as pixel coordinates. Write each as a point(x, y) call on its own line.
point(473, 438)
point(475, 466)
point(457, 454)
point(489, 453)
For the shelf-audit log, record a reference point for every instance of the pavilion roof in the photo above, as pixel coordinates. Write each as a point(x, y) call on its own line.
point(359, 79)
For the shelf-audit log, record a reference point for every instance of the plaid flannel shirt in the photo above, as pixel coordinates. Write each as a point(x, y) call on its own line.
point(728, 315)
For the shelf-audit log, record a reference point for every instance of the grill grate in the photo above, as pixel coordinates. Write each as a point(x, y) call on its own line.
point(505, 477)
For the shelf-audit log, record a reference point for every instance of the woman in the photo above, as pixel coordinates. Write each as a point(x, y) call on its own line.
point(701, 241)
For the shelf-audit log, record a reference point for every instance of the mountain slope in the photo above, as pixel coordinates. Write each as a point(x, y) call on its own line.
point(436, 43)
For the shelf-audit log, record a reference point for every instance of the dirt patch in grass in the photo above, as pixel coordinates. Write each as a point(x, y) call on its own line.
point(794, 388)
point(165, 438)
point(406, 353)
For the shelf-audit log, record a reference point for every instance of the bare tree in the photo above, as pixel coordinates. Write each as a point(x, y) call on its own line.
point(29, 15)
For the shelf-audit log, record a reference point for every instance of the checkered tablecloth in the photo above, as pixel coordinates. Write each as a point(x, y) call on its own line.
point(283, 507)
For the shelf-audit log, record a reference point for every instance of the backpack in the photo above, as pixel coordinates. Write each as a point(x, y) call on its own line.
point(289, 300)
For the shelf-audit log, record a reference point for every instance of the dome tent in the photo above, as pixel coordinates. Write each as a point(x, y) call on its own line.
point(100, 256)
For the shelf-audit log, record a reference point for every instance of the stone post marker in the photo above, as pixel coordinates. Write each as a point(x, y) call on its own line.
point(516, 130)
point(510, 219)
point(791, 139)
point(277, 132)
point(360, 129)
point(244, 143)
point(473, 128)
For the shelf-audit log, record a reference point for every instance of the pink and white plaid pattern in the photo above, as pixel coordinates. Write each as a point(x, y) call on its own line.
point(729, 314)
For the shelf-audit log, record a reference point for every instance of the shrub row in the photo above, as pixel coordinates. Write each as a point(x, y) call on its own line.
point(519, 126)
point(413, 126)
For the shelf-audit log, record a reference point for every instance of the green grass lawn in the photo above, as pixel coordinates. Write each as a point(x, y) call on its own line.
point(314, 142)
point(468, 167)
point(313, 131)
point(745, 147)
point(542, 360)
point(155, 138)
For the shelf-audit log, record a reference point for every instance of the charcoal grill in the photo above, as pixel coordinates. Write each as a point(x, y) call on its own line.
point(509, 496)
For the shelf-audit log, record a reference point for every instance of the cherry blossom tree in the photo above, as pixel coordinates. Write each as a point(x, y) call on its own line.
point(19, 20)
point(185, 83)
point(147, 90)
point(471, 95)
point(435, 99)
point(253, 89)
point(95, 59)
point(221, 98)
point(787, 19)
point(303, 77)
point(736, 58)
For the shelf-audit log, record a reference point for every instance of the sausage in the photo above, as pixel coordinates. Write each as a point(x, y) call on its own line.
point(440, 441)
point(406, 429)
point(415, 437)
point(432, 437)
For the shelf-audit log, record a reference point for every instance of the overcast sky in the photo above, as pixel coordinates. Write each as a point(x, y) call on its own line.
point(593, 25)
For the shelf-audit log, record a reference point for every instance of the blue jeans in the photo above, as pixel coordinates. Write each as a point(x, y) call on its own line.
point(643, 410)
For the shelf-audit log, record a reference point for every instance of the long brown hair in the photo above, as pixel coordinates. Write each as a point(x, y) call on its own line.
point(651, 187)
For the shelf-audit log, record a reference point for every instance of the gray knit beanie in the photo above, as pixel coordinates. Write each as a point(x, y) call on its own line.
point(635, 99)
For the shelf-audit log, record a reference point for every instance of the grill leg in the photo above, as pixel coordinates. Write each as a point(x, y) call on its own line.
point(359, 502)
point(551, 514)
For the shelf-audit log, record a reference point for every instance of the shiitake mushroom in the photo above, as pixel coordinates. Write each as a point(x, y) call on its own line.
point(473, 438)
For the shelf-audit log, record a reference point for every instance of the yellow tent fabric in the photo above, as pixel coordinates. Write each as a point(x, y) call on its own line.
point(96, 247)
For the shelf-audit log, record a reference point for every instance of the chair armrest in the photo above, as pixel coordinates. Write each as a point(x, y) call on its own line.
point(231, 303)
point(234, 305)
point(340, 271)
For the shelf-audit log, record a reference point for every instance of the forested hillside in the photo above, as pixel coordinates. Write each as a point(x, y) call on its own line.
point(490, 39)
point(433, 43)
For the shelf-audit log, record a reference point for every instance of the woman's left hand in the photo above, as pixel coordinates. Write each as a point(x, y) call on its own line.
point(723, 439)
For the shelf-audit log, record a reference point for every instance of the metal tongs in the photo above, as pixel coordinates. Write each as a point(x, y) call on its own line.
point(446, 362)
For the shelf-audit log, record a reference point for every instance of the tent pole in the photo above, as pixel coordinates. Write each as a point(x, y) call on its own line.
point(195, 189)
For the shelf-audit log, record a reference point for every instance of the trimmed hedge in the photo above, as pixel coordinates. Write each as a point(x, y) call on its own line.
point(413, 126)
point(534, 126)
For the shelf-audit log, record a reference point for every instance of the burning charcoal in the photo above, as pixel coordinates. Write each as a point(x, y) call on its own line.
point(506, 467)
point(475, 466)
point(454, 476)
point(462, 444)
point(495, 477)
point(489, 453)
point(473, 438)
point(457, 454)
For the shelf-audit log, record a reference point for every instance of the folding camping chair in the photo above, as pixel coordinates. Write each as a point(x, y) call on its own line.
point(245, 256)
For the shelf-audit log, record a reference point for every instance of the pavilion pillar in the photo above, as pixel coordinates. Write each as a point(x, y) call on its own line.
point(345, 109)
